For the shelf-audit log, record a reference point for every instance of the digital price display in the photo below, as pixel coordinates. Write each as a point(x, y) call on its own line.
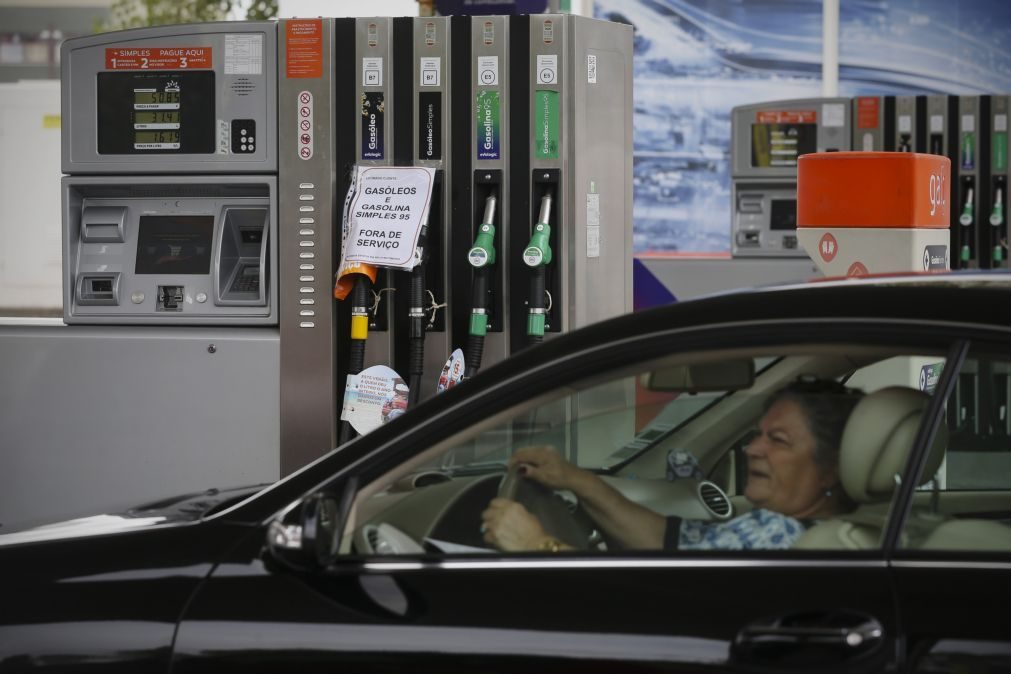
point(148, 119)
point(153, 113)
point(149, 138)
point(144, 98)
point(779, 145)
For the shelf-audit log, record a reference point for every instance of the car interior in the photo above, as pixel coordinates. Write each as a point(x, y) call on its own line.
point(626, 425)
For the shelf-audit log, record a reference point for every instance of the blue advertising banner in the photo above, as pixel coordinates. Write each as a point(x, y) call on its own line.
point(694, 60)
point(484, 8)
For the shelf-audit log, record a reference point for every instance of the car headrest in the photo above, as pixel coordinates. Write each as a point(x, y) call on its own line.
point(876, 442)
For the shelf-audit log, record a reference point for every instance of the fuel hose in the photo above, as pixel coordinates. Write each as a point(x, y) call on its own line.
point(482, 258)
point(416, 315)
point(537, 255)
point(359, 335)
point(966, 219)
point(997, 223)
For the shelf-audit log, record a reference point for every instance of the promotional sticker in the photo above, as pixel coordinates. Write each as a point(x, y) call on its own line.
point(929, 375)
point(374, 397)
point(683, 464)
point(452, 372)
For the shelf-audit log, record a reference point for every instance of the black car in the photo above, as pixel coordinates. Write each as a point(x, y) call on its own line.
point(372, 559)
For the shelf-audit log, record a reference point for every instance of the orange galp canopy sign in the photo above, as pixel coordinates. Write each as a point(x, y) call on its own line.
point(873, 189)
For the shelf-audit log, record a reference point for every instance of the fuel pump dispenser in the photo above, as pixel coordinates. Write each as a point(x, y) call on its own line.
point(380, 99)
point(973, 112)
point(482, 203)
point(207, 169)
point(766, 140)
point(576, 176)
point(170, 217)
point(997, 231)
point(433, 139)
point(908, 124)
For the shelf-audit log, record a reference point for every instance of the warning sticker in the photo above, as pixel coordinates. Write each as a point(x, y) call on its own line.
point(304, 48)
point(786, 117)
point(159, 58)
point(868, 112)
point(828, 247)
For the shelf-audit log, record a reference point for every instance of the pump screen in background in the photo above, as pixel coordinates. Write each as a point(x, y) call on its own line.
point(174, 244)
point(156, 112)
point(784, 214)
point(779, 145)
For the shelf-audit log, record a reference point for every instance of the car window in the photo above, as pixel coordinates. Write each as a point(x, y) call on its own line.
point(660, 453)
point(964, 502)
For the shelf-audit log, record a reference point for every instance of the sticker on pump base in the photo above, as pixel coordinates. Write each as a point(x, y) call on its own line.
point(452, 372)
point(375, 396)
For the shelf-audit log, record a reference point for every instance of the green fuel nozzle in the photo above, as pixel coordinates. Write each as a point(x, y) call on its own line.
point(482, 253)
point(538, 251)
point(967, 209)
point(997, 214)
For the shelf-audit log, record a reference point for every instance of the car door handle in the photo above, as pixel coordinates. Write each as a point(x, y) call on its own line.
point(810, 639)
point(837, 636)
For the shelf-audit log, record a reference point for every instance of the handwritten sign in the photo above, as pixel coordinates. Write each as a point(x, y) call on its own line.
point(386, 214)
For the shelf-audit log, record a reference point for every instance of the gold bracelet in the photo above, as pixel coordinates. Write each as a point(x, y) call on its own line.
point(550, 545)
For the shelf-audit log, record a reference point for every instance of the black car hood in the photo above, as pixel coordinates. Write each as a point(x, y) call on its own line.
point(176, 510)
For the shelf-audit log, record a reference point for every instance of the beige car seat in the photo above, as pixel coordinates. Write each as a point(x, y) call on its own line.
point(875, 446)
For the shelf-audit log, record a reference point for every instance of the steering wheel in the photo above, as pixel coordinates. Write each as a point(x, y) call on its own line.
point(559, 520)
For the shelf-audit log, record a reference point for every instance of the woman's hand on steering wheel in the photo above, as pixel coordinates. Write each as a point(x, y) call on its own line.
point(510, 527)
point(546, 466)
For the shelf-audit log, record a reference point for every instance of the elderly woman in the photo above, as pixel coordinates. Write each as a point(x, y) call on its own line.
point(793, 479)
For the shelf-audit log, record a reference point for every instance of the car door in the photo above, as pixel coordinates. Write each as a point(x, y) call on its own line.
point(408, 601)
point(953, 562)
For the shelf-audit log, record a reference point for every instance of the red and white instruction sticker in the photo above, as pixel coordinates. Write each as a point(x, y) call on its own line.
point(304, 48)
point(159, 58)
point(786, 117)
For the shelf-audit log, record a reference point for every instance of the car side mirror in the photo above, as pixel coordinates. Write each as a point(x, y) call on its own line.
point(721, 375)
point(309, 534)
point(320, 524)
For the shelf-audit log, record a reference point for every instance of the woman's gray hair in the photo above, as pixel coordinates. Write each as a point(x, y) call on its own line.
point(826, 405)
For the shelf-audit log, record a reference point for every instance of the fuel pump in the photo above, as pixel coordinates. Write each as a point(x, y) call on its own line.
point(967, 239)
point(997, 125)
